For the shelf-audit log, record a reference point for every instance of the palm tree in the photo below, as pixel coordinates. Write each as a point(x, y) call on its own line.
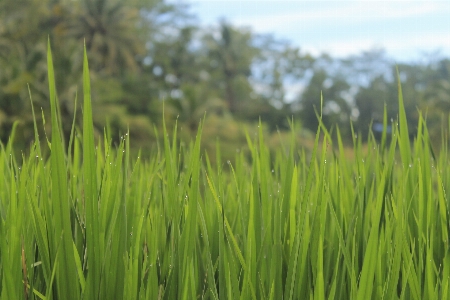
point(111, 34)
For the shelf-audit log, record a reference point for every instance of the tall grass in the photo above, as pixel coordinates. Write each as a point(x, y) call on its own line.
point(91, 222)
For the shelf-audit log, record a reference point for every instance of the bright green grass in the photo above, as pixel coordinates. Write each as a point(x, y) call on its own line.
point(92, 222)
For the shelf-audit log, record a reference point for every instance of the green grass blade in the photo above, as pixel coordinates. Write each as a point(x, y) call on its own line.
point(94, 257)
point(66, 286)
point(370, 256)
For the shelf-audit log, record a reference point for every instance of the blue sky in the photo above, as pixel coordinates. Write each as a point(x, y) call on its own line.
point(405, 29)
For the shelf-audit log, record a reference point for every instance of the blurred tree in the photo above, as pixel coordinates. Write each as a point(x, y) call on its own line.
point(278, 74)
point(114, 32)
point(336, 109)
point(383, 90)
point(230, 53)
point(110, 29)
point(370, 101)
point(145, 51)
point(436, 96)
point(363, 68)
point(23, 28)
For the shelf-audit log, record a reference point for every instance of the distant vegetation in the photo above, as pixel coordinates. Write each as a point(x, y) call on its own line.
point(146, 53)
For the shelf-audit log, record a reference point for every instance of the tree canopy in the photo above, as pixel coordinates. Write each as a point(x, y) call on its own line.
point(147, 57)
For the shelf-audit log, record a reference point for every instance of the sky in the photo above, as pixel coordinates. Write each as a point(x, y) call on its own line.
point(407, 30)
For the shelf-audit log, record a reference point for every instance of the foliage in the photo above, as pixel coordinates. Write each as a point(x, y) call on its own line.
point(148, 54)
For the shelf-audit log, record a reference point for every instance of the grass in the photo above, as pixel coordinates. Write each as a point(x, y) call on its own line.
point(93, 222)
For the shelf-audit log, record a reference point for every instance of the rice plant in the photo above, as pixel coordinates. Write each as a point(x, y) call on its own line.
point(90, 221)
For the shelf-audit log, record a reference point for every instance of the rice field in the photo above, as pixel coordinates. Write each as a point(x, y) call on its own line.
point(90, 221)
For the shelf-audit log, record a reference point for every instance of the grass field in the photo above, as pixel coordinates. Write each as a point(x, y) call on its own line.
point(92, 222)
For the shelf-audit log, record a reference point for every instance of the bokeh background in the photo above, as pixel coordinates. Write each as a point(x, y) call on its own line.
point(229, 63)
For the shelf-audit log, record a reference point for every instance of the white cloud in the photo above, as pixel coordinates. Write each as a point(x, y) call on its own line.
point(410, 45)
point(303, 15)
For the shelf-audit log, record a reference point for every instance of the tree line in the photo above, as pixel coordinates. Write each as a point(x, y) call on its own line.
point(152, 59)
